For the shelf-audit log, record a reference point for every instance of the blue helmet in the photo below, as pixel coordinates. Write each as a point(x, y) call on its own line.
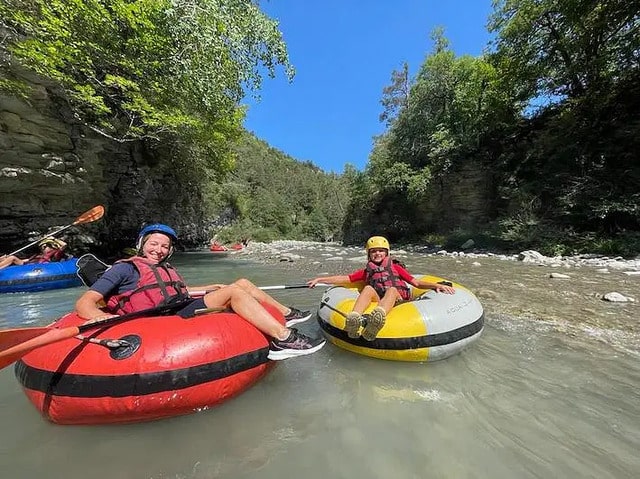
point(156, 228)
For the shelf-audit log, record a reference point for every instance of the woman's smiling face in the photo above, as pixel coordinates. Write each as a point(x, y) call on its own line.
point(156, 247)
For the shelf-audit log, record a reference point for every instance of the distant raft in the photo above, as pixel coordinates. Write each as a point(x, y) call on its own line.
point(430, 327)
point(39, 277)
point(169, 366)
point(222, 251)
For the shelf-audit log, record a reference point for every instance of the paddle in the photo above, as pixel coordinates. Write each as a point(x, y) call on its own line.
point(290, 286)
point(15, 343)
point(93, 214)
point(265, 288)
point(324, 303)
point(91, 268)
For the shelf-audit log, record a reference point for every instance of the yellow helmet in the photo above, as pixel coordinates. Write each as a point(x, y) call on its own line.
point(52, 242)
point(377, 242)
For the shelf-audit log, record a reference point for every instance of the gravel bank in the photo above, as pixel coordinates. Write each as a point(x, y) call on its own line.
point(312, 256)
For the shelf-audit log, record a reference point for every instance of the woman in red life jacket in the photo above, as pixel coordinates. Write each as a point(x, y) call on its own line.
point(51, 250)
point(386, 283)
point(148, 280)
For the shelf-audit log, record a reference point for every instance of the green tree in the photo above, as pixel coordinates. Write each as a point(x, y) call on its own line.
point(395, 96)
point(574, 157)
point(562, 48)
point(453, 103)
point(147, 68)
point(259, 198)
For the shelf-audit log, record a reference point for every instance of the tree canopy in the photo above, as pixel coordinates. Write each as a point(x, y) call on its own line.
point(142, 69)
point(558, 49)
point(270, 195)
point(544, 125)
point(549, 116)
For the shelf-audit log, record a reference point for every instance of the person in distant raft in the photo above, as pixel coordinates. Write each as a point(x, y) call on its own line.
point(147, 280)
point(386, 282)
point(51, 250)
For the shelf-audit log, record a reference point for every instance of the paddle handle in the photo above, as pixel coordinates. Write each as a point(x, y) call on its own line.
point(157, 310)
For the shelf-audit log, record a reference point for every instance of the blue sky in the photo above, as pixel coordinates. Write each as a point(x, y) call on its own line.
point(344, 53)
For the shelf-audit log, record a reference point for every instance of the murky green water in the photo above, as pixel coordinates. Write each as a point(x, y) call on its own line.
point(552, 389)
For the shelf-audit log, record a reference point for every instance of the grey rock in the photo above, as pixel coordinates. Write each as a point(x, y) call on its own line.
point(616, 297)
point(468, 244)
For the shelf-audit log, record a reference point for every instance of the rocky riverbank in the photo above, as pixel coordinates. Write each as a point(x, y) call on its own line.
point(589, 295)
point(311, 256)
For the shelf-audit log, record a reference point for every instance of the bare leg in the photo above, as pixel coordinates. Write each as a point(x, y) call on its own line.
point(248, 308)
point(260, 295)
point(391, 296)
point(365, 298)
point(353, 320)
point(10, 261)
point(377, 318)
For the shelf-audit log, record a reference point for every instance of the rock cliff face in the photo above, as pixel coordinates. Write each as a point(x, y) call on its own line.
point(52, 169)
point(464, 199)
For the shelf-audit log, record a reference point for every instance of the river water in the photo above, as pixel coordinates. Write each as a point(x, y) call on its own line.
point(551, 389)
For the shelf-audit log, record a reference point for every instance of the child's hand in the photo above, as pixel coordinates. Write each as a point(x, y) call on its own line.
point(443, 288)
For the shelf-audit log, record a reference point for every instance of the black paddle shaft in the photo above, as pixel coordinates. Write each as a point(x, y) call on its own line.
point(158, 310)
point(324, 303)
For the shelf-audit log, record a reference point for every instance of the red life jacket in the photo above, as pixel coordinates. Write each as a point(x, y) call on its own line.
point(383, 276)
point(158, 284)
point(52, 255)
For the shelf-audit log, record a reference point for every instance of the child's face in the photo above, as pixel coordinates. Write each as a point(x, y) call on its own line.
point(377, 254)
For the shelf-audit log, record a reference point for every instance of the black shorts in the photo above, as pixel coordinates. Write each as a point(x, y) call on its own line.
point(190, 309)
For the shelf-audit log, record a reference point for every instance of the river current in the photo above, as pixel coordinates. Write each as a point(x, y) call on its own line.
point(551, 389)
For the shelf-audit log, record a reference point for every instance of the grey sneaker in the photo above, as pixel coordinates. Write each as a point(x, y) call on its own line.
point(296, 344)
point(296, 316)
point(375, 322)
point(352, 323)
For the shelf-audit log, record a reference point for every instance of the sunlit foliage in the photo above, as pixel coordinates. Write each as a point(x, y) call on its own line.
point(141, 69)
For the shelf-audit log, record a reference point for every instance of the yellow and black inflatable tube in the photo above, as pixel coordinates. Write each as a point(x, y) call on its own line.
point(430, 327)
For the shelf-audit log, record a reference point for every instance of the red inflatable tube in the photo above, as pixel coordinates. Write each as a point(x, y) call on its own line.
point(168, 367)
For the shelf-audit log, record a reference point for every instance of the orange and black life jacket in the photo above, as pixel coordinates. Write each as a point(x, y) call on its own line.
point(383, 276)
point(159, 284)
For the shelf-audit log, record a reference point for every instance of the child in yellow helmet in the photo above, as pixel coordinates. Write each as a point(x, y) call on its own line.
point(386, 283)
point(51, 250)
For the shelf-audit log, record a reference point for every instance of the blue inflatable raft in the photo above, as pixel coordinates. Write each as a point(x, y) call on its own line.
point(39, 277)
